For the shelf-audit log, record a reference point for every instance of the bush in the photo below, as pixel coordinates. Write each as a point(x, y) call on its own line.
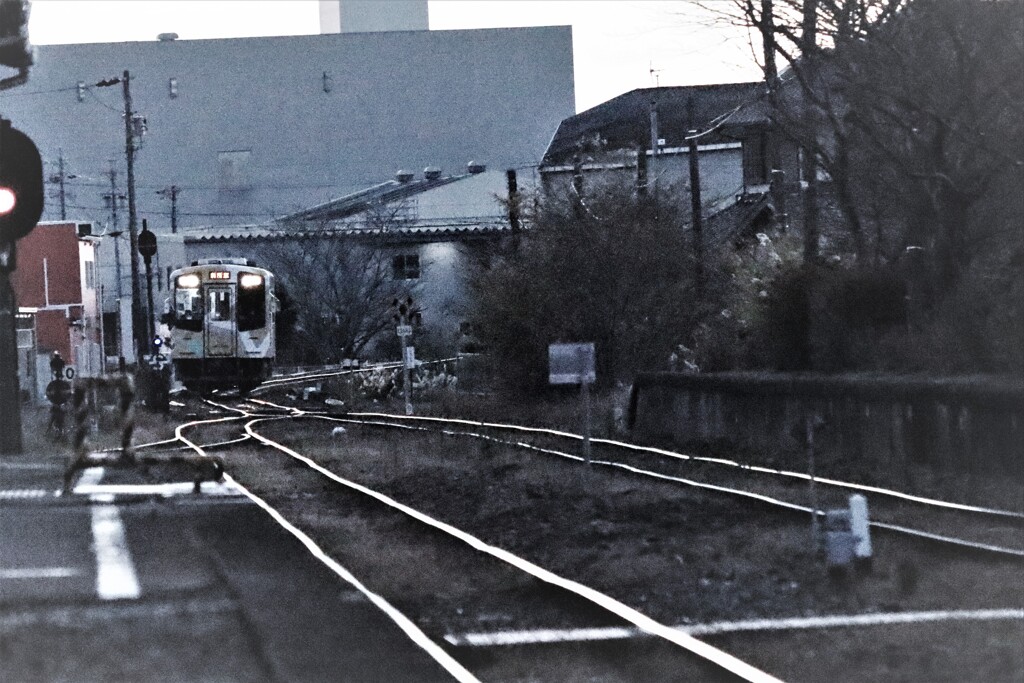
point(614, 269)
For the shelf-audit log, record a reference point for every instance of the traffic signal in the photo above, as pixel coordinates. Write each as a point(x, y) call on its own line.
point(403, 310)
point(21, 184)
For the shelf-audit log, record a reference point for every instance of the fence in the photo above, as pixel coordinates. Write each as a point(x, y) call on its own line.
point(956, 426)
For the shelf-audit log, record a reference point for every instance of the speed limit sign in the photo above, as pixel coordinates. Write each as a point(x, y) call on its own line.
point(69, 373)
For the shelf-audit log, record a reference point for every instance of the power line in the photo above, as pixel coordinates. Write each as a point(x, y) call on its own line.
point(168, 213)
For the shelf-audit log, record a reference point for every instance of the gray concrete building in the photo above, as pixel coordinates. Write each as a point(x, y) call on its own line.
point(249, 129)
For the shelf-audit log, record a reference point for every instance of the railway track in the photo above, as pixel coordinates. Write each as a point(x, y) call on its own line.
point(541, 596)
point(284, 458)
point(978, 528)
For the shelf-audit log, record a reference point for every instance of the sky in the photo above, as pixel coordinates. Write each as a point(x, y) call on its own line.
point(618, 45)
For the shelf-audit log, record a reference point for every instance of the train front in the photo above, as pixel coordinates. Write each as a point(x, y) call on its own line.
point(222, 326)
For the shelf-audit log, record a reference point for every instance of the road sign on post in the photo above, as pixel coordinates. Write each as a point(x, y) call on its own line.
point(575, 364)
point(571, 363)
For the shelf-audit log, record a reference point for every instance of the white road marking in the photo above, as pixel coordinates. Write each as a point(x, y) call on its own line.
point(115, 572)
point(29, 466)
point(22, 494)
point(39, 573)
point(98, 615)
point(166, 490)
point(752, 625)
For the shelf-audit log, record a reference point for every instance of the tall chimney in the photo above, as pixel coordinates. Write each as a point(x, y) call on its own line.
point(369, 16)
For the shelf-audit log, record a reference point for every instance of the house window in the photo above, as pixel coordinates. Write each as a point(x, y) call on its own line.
point(406, 267)
point(90, 276)
point(755, 161)
point(234, 170)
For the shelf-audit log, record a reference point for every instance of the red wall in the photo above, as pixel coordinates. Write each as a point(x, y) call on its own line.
point(52, 333)
point(58, 244)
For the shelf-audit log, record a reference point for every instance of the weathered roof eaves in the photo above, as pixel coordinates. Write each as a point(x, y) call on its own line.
point(418, 233)
point(625, 121)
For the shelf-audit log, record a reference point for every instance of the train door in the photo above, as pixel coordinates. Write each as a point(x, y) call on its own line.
point(220, 320)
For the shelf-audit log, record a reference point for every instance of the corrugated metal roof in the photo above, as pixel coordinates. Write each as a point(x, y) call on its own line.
point(342, 217)
point(363, 200)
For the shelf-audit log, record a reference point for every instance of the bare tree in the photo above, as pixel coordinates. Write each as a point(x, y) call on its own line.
point(342, 285)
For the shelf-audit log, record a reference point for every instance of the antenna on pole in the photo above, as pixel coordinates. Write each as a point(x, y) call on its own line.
point(654, 75)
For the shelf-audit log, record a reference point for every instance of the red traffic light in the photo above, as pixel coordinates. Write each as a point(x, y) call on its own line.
point(8, 200)
point(21, 184)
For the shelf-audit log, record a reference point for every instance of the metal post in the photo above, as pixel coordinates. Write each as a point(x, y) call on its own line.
point(585, 391)
point(809, 422)
point(406, 375)
point(119, 292)
point(10, 391)
point(151, 322)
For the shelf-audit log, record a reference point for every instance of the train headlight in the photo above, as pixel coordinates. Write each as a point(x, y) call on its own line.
point(190, 281)
point(250, 280)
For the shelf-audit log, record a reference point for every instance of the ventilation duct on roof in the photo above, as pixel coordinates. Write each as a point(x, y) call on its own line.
point(403, 176)
point(431, 173)
point(474, 167)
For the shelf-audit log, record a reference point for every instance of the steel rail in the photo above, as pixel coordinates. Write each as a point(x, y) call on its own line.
point(892, 493)
point(707, 652)
point(777, 502)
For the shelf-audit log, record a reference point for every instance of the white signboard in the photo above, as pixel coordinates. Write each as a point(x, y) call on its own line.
point(571, 363)
point(405, 330)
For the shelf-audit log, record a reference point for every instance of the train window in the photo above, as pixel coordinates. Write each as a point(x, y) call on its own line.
point(219, 304)
point(252, 302)
point(188, 309)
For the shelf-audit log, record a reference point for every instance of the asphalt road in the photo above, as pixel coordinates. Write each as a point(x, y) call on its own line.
point(135, 585)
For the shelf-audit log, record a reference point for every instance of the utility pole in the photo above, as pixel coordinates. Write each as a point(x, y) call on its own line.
point(696, 211)
point(116, 233)
point(60, 171)
point(172, 193)
point(133, 235)
point(771, 78)
point(59, 179)
point(113, 196)
point(809, 165)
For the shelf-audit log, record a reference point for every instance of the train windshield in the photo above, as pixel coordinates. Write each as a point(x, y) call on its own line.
point(252, 302)
point(219, 307)
point(188, 309)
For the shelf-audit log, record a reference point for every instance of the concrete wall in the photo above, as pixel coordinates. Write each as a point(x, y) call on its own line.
point(721, 170)
point(957, 428)
point(259, 127)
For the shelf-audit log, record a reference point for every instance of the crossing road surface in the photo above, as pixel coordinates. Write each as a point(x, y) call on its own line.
point(121, 584)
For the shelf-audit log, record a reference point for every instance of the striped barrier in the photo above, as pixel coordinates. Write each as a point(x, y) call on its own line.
point(208, 468)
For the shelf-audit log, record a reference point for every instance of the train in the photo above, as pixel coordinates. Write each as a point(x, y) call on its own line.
point(221, 320)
